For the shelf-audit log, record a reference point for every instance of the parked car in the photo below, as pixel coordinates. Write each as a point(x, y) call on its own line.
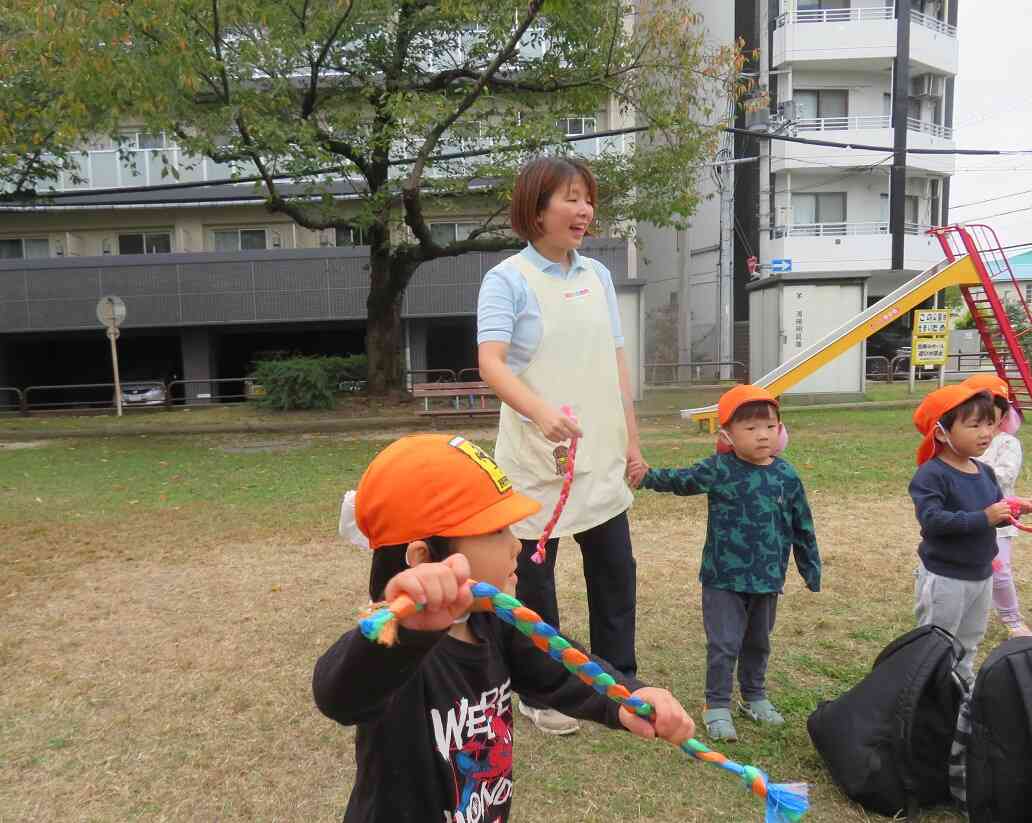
point(149, 393)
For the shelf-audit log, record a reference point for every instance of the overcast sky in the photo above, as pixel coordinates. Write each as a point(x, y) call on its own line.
point(994, 110)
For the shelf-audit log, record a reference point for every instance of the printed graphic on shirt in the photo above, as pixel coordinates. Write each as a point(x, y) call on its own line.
point(484, 460)
point(476, 740)
point(576, 294)
point(562, 457)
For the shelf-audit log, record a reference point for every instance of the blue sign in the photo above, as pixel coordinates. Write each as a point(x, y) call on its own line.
point(781, 265)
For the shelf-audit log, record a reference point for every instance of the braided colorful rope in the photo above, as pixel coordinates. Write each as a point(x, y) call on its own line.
point(540, 552)
point(785, 802)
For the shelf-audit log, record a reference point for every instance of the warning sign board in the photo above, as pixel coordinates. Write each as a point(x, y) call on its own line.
point(929, 351)
point(931, 322)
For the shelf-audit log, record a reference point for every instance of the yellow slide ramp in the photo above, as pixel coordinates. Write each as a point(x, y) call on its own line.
point(961, 272)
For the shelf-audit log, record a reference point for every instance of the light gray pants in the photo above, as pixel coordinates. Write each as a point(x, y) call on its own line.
point(738, 628)
point(959, 606)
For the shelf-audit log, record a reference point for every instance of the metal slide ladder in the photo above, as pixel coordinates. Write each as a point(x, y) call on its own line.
point(1001, 341)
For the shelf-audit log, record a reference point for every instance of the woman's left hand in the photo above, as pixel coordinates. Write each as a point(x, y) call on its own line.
point(636, 466)
point(670, 721)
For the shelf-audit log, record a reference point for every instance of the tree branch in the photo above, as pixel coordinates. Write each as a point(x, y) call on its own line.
point(308, 106)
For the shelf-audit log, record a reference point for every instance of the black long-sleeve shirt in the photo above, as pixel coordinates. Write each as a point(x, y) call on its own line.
point(434, 716)
point(956, 538)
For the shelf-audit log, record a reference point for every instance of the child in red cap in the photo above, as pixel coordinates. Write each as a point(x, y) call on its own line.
point(758, 515)
point(1004, 457)
point(434, 710)
point(959, 504)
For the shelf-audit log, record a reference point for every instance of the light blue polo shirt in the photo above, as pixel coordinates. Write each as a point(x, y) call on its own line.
point(508, 311)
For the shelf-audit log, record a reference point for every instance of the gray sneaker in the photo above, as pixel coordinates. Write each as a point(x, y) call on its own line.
point(549, 721)
point(719, 725)
point(762, 711)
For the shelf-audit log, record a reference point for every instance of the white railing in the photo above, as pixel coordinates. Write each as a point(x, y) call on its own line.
point(933, 23)
point(927, 127)
point(844, 229)
point(842, 123)
point(863, 14)
point(106, 169)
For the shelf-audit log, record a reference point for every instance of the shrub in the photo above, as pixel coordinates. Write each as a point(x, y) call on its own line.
point(296, 383)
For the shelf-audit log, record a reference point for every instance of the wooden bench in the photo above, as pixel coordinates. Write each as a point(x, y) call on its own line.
point(455, 393)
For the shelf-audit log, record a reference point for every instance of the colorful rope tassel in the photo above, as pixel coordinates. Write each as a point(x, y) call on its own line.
point(786, 802)
point(540, 552)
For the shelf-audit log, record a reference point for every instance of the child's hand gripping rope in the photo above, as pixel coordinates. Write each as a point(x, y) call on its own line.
point(1018, 507)
point(786, 802)
point(564, 494)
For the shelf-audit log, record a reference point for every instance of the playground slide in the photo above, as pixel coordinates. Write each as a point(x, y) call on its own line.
point(889, 308)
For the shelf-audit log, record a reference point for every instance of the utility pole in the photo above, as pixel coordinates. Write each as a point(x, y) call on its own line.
point(725, 274)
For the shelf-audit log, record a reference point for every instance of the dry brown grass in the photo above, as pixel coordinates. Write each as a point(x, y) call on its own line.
point(153, 676)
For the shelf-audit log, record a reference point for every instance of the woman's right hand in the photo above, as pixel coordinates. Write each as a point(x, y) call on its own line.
point(442, 589)
point(556, 426)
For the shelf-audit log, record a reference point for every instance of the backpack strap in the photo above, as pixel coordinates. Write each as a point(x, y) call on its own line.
point(905, 707)
point(1021, 668)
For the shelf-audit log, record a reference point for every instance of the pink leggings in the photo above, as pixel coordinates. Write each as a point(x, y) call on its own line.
point(1005, 596)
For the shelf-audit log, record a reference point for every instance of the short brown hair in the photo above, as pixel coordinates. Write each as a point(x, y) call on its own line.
point(978, 406)
point(756, 410)
point(537, 182)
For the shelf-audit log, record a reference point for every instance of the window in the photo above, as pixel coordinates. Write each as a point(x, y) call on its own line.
point(576, 126)
point(145, 243)
point(28, 247)
point(1028, 292)
point(814, 5)
point(812, 104)
point(914, 108)
point(445, 234)
point(240, 239)
point(911, 207)
point(936, 203)
point(825, 211)
point(351, 236)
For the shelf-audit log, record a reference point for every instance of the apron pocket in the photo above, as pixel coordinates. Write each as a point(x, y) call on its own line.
point(547, 459)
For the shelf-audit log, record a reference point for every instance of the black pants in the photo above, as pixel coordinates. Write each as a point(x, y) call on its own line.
point(738, 627)
point(609, 572)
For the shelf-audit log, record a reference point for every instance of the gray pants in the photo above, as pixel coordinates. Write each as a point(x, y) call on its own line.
point(959, 606)
point(738, 627)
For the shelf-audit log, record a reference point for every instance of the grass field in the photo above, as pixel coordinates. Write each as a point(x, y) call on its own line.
point(164, 599)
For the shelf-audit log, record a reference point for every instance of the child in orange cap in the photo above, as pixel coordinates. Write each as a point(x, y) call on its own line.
point(959, 504)
point(758, 515)
point(1004, 457)
point(434, 711)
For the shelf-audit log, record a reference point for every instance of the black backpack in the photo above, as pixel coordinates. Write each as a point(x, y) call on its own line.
point(887, 740)
point(992, 759)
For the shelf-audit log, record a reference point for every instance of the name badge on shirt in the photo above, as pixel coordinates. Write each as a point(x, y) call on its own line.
point(576, 294)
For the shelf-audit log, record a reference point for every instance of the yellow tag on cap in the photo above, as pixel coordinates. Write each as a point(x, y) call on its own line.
point(484, 460)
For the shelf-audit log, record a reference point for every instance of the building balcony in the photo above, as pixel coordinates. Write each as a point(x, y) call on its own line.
point(851, 38)
point(849, 247)
point(864, 130)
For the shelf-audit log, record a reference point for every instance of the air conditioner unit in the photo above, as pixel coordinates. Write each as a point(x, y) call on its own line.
point(928, 85)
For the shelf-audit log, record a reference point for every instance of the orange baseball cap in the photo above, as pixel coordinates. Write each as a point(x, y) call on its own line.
point(931, 410)
point(427, 485)
point(987, 381)
point(732, 399)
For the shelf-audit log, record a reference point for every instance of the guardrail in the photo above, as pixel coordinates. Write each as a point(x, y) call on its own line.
point(928, 127)
point(843, 229)
point(673, 375)
point(853, 15)
point(439, 376)
point(206, 398)
point(470, 374)
point(859, 121)
point(933, 23)
point(92, 390)
point(19, 400)
point(873, 373)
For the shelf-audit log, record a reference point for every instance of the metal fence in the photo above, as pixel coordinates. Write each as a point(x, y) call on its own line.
point(672, 374)
point(12, 400)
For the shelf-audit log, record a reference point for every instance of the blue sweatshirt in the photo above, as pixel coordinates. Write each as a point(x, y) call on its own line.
point(956, 538)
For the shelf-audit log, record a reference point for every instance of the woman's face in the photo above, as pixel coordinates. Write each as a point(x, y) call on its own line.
point(565, 220)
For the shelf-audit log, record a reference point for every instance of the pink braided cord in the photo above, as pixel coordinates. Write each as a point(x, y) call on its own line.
point(564, 494)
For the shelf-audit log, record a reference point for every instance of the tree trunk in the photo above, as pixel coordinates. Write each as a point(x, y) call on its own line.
point(383, 333)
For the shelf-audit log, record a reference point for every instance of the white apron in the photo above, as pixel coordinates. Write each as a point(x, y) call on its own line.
point(575, 364)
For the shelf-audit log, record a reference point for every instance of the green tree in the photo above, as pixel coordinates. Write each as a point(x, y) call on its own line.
point(375, 92)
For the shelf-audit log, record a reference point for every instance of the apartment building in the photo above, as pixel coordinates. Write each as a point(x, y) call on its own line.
point(831, 228)
point(212, 279)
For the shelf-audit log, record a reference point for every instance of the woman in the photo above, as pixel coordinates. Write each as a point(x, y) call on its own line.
point(548, 332)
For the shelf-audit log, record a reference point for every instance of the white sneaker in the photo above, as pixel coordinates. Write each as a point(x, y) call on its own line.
point(549, 721)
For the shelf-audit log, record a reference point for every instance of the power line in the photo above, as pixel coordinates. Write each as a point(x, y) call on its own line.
point(991, 199)
point(1000, 214)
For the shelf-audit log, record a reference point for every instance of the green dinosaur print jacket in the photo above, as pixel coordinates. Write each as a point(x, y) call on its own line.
point(757, 515)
